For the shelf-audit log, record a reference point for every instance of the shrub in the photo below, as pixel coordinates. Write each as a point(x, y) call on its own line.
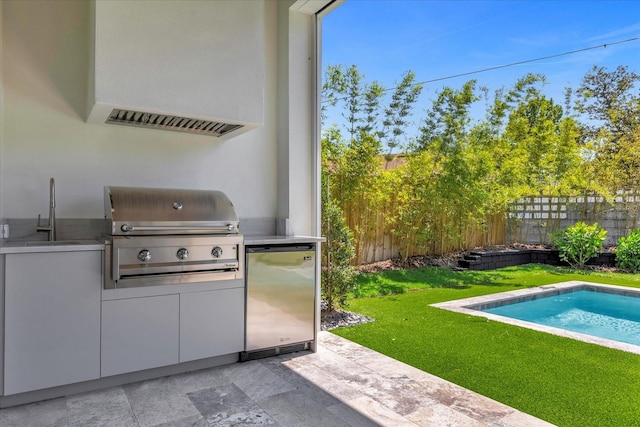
point(337, 278)
point(579, 243)
point(628, 252)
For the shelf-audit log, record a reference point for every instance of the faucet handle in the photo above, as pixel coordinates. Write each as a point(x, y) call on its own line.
point(41, 227)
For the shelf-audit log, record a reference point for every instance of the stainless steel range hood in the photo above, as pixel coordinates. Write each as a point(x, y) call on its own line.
point(195, 67)
point(170, 122)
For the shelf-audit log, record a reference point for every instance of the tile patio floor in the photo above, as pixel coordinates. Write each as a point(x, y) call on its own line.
point(343, 384)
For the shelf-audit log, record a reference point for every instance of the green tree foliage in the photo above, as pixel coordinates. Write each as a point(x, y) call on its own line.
point(609, 101)
point(416, 204)
point(544, 144)
point(337, 273)
point(398, 112)
point(353, 165)
point(459, 170)
point(362, 104)
point(447, 122)
point(610, 104)
point(525, 147)
point(459, 165)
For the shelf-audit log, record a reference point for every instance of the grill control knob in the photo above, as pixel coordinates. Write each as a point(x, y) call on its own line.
point(182, 253)
point(216, 252)
point(144, 255)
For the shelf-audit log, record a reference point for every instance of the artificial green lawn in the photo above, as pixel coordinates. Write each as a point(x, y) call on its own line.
point(563, 381)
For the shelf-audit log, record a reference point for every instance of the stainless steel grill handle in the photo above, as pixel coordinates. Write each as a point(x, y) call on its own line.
point(127, 228)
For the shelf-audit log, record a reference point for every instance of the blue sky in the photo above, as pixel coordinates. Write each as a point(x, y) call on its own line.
point(435, 39)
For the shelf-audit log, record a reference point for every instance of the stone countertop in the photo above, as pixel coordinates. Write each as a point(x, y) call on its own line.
point(255, 240)
point(33, 246)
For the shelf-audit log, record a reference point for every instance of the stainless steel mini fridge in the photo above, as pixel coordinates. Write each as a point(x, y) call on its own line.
point(280, 311)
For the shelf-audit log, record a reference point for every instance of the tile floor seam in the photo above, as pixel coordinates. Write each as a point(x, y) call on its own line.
point(311, 398)
point(66, 407)
point(135, 416)
point(262, 408)
point(256, 401)
point(343, 400)
point(265, 399)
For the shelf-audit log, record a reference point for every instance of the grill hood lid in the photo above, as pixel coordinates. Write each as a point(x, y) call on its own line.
point(168, 211)
point(195, 67)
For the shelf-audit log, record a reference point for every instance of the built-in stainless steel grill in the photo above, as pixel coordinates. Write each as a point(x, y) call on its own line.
point(168, 236)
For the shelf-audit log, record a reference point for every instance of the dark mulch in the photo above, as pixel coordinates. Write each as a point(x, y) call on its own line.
point(449, 260)
point(338, 318)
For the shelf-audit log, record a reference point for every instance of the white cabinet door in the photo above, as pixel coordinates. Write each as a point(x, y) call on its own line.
point(52, 319)
point(139, 333)
point(211, 323)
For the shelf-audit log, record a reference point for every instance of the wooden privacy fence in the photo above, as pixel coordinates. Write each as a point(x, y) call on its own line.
point(529, 220)
point(376, 239)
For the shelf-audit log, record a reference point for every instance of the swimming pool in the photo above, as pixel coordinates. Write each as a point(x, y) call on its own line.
point(600, 314)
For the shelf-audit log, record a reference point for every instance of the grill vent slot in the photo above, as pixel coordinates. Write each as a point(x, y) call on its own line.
point(170, 122)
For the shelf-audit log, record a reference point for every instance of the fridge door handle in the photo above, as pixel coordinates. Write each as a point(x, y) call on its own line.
point(296, 248)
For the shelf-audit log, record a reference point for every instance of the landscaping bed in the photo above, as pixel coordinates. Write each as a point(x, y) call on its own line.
point(492, 259)
point(489, 258)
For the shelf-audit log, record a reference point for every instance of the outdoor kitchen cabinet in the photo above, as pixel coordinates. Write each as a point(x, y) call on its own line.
point(139, 333)
point(211, 323)
point(52, 319)
point(154, 326)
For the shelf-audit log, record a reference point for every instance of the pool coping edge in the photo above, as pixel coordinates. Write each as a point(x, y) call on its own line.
point(472, 306)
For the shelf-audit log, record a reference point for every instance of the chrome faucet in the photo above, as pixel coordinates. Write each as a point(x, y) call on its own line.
point(51, 227)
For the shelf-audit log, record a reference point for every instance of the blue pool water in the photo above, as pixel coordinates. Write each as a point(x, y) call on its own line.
point(604, 315)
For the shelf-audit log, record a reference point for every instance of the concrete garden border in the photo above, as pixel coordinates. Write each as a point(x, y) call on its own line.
point(489, 260)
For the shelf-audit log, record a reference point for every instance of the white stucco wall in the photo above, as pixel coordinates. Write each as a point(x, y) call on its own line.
point(201, 59)
point(45, 58)
point(296, 176)
point(1, 105)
